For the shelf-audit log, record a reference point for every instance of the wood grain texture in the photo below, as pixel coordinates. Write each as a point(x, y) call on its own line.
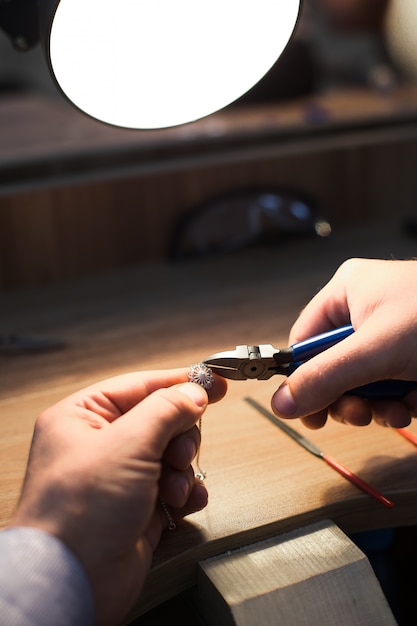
point(313, 575)
point(153, 316)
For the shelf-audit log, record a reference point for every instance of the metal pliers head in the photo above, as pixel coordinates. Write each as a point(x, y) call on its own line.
point(264, 361)
point(260, 362)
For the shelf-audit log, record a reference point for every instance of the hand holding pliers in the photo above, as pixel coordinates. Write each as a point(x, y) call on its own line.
point(264, 361)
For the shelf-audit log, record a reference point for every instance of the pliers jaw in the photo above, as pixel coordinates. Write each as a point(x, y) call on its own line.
point(249, 362)
point(264, 361)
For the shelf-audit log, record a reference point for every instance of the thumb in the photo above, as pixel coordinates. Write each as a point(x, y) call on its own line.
point(319, 382)
point(160, 417)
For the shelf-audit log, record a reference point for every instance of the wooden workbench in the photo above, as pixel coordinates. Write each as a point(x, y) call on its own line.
point(158, 315)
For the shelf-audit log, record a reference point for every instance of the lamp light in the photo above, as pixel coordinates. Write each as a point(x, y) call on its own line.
point(160, 63)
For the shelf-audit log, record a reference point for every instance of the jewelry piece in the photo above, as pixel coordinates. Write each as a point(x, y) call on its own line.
point(201, 374)
point(171, 524)
point(200, 473)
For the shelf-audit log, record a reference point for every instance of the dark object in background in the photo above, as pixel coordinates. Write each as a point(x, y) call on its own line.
point(19, 20)
point(15, 345)
point(410, 226)
point(240, 218)
point(294, 75)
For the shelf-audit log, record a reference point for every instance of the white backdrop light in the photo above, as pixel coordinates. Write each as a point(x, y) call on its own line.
point(160, 63)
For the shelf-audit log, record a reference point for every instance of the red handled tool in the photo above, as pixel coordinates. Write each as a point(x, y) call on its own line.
point(311, 447)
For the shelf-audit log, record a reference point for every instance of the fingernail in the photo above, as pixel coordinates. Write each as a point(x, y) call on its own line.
point(195, 392)
point(283, 401)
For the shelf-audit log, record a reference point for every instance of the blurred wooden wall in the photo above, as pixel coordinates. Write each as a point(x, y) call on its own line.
point(92, 210)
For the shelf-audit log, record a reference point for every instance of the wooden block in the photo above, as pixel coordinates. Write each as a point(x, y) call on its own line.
point(314, 575)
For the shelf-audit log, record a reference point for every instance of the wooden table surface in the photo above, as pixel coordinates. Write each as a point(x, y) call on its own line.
point(154, 316)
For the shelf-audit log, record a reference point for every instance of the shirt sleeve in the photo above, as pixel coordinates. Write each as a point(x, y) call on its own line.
point(42, 583)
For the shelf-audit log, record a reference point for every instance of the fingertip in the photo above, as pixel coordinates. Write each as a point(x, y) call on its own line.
point(351, 410)
point(210, 395)
point(218, 389)
point(198, 498)
point(283, 403)
point(315, 421)
point(391, 413)
point(194, 391)
point(410, 401)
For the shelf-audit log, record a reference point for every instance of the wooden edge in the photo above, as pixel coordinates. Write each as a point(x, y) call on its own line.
point(313, 575)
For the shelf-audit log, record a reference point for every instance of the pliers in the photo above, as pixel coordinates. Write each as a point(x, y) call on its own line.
point(264, 361)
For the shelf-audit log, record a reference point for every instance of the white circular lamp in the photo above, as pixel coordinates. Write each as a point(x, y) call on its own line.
point(160, 63)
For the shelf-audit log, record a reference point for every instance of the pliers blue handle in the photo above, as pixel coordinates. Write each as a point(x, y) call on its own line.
point(264, 361)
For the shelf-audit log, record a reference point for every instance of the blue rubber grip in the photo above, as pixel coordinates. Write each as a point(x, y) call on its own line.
point(384, 390)
point(308, 348)
point(381, 390)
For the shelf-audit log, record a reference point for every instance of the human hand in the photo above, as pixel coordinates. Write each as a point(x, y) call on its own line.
point(100, 462)
point(379, 298)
